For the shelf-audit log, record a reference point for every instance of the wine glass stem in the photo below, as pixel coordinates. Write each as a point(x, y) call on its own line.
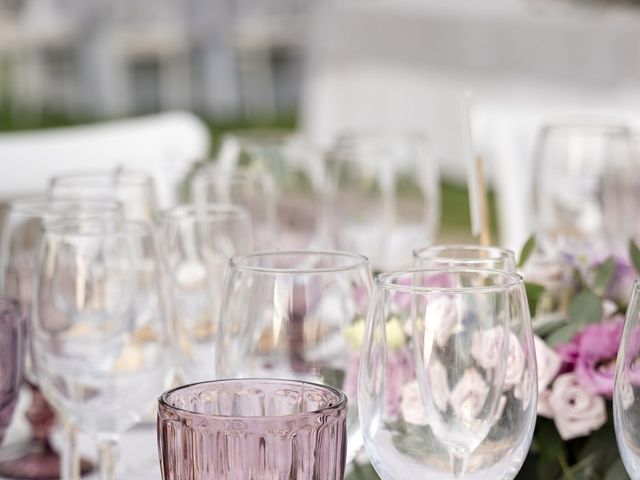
point(108, 447)
point(70, 462)
point(458, 458)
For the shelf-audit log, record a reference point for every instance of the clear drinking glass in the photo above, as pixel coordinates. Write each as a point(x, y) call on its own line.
point(100, 338)
point(252, 428)
point(35, 458)
point(447, 385)
point(298, 176)
point(135, 190)
point(297, 315)
point(384, 196)
point(586, 186)
point(626, 394)
point(12, 349)
point(470, 256)
point(198, 241)
point(249, 187)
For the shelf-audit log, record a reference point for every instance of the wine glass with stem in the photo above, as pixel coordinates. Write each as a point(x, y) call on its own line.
point(296, 315)
point(447, 384)
point(471, 256)
point(198, 241)
point(626, 393)
point(100, 336)
point(22, 232)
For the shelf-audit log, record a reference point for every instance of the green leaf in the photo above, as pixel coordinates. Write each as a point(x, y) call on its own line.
point(634, 253)
point(527, 250)
point(534, 292)
point(586, 308)
point(563, 334)
point(604, 275)
point(548, 327)
point(616, 471)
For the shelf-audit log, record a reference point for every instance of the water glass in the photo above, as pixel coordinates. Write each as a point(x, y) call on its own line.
point(252, 428)
point(471, 256)
point(12, 351)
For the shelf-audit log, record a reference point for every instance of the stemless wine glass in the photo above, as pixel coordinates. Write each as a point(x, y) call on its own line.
point(252, 428)
point(11, 358)
point(250, 187)
point(626, 393)
point(447, 385)
point(384, 195)
point(198, 242)
point(135, 190)
point(297, 315)
point(471, 256)
point(22, 232)
point(297, 171)
point(100, 338)
point(585, 186)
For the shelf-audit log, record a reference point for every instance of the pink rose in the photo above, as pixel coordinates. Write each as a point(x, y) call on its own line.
point(548, 363)
point(576, 411)
point(515, 362)
point(411, 405)
point(469, 395)
point(544, 409)
point(442, 319)
point(439, 385)
point(486, 347)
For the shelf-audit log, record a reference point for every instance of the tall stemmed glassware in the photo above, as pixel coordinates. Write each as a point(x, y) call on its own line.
point(470, 256)
point(135, 190)
point(249, 187)
point(296, 315)
point(198, 241)
point(384, 195)
point(586, 186)
point(12, 349)
point(626, 394)
point(447, 385)
point(21, 235)
point(296, 171)
point(100, 336)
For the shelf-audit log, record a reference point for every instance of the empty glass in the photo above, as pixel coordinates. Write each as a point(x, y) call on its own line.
point(447, 385)
point(626, 394)
point(470, 256)
point(135, 190)
point(101, 341)
point(252, 428)
point(11, 358)
point(198, 241)
point(384, 196)
point(249, 187)
point(297, 315)
point(586, 186)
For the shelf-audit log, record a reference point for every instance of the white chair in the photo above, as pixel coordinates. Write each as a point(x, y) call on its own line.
point(164, 145)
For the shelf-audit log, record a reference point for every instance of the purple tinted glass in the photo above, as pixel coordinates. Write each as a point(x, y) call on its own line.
point(11, 356)
point(252, 429)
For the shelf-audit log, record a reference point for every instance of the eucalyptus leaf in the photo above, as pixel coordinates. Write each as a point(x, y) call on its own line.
point(616, 471)
point(604, 275)
point(586, 308)
point(548, 327)
point(534, 292)
point(563, 334)
point(634, 253)
point(527, 250)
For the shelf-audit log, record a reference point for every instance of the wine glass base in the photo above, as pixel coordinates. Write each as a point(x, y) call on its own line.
point(39, 464)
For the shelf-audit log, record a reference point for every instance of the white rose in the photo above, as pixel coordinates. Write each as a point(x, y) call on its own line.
point(544, 409)
point(515, 362)
point(439, 385)
point(411, 405)
point(469, 395)
point(442, 319)
point(548, 361)
point(576, 412)
point(523, 390)
point(486, 346)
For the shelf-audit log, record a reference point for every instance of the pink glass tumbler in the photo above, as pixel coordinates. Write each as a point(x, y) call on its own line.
point(250, 429)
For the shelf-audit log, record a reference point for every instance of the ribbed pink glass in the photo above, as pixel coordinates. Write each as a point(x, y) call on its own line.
point(252, 429)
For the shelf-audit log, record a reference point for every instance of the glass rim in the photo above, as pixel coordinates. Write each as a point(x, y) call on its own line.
point(341, 396)
point(383, 280)
point(124, 176)
point(39, 206)
point(241, 262)
point(207, 211)
point(113, 229)
point(502, 253)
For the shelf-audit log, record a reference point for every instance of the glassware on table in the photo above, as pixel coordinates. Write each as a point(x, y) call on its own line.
point(249, 187)
point(198, 241)
point(626, 393)
point(586, 186)
point(470, 256)
point(296, 171)
point(447, 385)
point(384, 196)
point(101, 340)
point(12, 350)
point(252, 428)
point(22, 232)
point(135, 190)
point(297, 315)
